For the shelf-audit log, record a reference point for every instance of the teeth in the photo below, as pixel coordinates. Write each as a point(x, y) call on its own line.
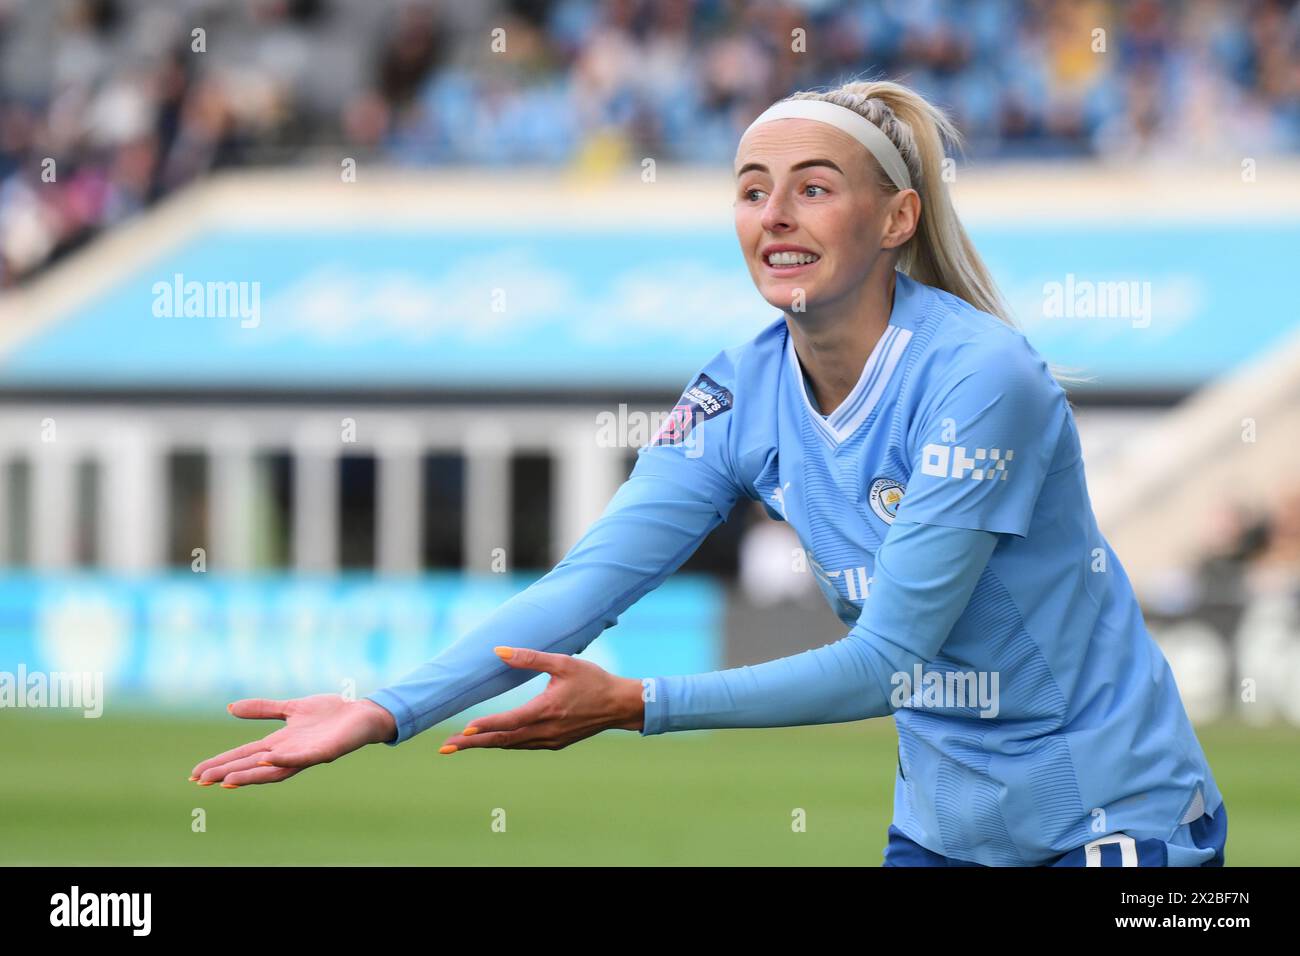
point(791, 258)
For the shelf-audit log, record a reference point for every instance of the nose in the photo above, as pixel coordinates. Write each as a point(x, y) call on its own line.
point(776, 213)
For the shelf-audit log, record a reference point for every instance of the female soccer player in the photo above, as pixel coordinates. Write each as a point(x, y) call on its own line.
point(927, 458)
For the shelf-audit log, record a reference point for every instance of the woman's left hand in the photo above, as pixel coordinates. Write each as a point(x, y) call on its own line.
point(581, 700)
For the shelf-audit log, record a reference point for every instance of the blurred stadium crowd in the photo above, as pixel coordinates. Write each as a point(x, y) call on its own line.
point(116, 94)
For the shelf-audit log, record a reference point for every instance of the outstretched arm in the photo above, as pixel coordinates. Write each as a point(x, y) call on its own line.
point(993, 413)
point(652, 525)
point(923, 577)
point(682, 487)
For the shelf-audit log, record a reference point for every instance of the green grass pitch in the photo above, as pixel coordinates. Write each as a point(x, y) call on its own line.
point(113, 791)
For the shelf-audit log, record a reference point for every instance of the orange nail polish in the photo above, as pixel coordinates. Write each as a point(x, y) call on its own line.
point(265, 763)
point(206, 783)
point(193, 778)
point(231, 786)
point(505, 653)
point(469, 732)
point(448, 749)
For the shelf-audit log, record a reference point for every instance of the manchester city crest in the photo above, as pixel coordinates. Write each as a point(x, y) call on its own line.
point(885, 496)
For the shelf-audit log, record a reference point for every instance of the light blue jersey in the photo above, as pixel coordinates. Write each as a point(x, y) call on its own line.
point(943, 509)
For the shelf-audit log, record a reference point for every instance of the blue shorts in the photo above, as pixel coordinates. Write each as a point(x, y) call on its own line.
point(1199, 843)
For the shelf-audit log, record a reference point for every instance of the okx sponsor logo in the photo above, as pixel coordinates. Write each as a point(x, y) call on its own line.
point(956, 461)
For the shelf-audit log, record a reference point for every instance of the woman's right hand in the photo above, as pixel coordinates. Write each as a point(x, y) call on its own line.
point(317, 729)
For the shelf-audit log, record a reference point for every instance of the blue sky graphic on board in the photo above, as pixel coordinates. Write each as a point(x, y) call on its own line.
point(627, 309)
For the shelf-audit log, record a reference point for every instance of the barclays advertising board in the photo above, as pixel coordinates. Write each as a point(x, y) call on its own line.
point(185, 641)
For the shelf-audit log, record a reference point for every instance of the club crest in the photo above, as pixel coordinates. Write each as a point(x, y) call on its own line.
point(886, 495)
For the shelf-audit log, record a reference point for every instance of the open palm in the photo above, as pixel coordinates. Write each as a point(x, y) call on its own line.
point(317, 729)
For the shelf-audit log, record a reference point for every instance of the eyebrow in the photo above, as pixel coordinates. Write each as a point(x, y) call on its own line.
point(804, 165)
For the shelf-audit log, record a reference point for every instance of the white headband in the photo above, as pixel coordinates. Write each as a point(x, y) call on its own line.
point(856, 125)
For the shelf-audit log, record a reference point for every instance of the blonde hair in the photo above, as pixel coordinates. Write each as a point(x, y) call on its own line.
point(940, 253)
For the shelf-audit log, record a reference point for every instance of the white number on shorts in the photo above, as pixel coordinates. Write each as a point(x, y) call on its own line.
point(1127, 850)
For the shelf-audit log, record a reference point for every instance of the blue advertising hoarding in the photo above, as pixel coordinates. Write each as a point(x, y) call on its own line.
point(186, 641)
point(604, 309)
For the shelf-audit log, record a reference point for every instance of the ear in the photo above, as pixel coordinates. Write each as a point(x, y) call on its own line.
point(902, 218)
